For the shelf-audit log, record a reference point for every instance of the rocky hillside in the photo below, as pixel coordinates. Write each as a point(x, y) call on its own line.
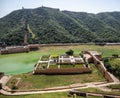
point(48, 25)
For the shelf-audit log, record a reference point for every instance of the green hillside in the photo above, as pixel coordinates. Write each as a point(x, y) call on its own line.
point(48, 25)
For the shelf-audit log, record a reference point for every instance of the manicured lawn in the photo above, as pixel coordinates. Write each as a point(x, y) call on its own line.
point(53, 66)
point(69, 66)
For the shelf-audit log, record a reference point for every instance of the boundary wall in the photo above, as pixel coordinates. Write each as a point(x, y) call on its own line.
point(99, 64)
point(62, 71)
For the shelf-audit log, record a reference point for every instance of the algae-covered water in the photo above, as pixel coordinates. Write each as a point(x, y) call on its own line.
point(18, 63)
point(12, 64)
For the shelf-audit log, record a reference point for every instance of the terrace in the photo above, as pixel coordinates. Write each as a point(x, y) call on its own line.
point(70, 60)
point(61, 62)
point(48, 61)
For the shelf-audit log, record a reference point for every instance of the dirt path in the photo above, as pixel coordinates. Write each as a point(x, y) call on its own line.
point(98, 85)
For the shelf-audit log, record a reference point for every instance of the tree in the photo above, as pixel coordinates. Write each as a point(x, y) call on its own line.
point(115, 55)
point(70, 52)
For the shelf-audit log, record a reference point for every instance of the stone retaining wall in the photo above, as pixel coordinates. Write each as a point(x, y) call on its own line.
point(63, 71)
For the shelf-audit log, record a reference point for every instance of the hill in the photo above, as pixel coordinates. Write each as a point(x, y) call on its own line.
point(49, 25)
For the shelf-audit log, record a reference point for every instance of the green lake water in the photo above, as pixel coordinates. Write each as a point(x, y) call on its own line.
point(12, 68)
point(12, 64)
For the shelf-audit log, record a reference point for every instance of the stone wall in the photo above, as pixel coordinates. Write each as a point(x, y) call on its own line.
point(99, 64)
point(33, 47)
point(20, 49)
point(63, 71)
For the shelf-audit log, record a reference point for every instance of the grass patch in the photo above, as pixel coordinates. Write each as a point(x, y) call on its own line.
point(72, 66)
point(91, 90)
point(46, 95)
point(67, 66)
point(53, 66)
point(94, 97)
point(29, 81)
point(79, 65)
point(114, 86)
point(99, 91)
point(12, 82)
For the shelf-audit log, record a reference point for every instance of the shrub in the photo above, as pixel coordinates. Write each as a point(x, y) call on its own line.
point(112, 66)
point(14, 87)
point(115, 55)
point(70, 52)
point(105, 59)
